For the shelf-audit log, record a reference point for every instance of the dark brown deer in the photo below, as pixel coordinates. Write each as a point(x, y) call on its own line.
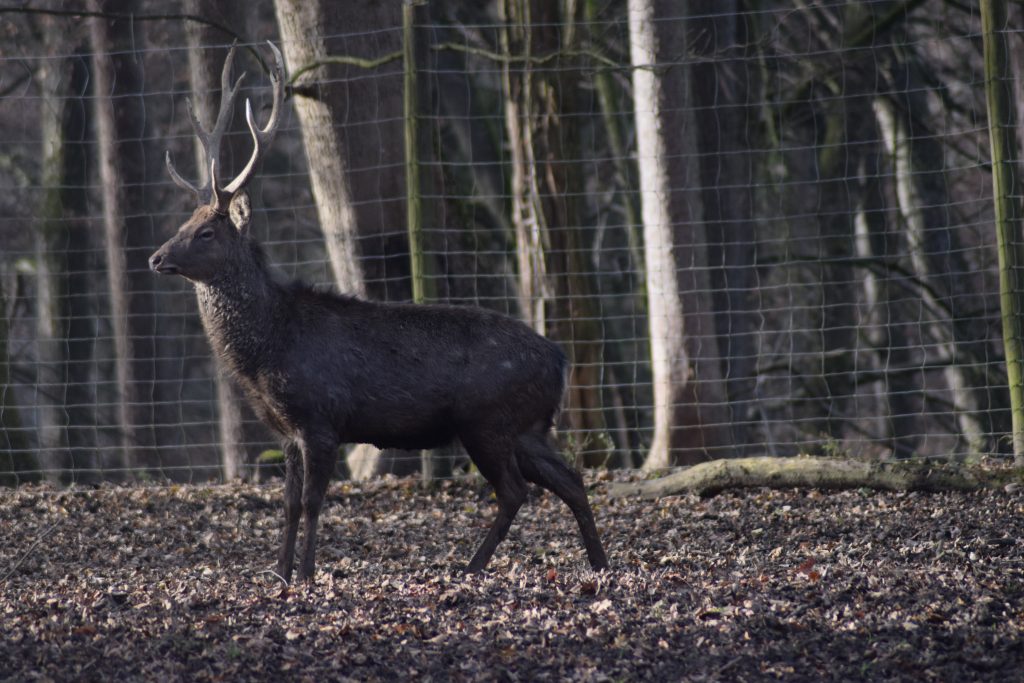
point(324, 369)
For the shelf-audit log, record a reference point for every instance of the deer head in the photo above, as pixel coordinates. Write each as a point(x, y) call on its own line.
point(209, 239)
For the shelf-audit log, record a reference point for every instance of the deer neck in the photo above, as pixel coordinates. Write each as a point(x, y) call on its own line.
point(244, 313)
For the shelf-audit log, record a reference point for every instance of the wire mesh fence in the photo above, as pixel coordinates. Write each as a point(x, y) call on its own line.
point(755, 229)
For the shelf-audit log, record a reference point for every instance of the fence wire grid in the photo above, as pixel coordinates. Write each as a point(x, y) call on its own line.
point(812, 180)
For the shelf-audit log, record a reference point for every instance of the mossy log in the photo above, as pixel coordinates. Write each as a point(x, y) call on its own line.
point(710, 478)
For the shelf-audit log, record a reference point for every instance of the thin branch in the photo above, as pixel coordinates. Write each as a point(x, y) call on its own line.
point(878, 265)
point(344, 60)
point(528, 59)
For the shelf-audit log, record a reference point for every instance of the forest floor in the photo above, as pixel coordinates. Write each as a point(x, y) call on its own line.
point(172, 584)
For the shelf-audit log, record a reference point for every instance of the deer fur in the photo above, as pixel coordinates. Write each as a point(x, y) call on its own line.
point(324, 369)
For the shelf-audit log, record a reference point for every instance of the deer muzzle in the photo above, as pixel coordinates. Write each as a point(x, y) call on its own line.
point(160, 263)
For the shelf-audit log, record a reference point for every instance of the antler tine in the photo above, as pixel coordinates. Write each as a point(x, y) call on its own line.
point(210, 139)
point(262, 137)
point(179, 181)
point(228, 93)
point(201, 193)
point(221, 200)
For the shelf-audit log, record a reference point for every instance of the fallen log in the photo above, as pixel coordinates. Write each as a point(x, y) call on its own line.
point(710, 478)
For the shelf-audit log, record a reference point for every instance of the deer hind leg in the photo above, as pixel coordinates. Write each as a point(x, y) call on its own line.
point(292, 509)
point(495, 460)
point(541, 465)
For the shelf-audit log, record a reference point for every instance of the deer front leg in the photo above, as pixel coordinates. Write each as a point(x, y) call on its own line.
point(292, 509)
point(318, 461)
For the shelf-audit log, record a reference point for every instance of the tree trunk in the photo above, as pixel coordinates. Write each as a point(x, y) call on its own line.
point(838, 162)
point(710, 478)
point(1006, 189)
point(64, 305)
point(129, 236)
point(477, 234)
point(534, 289)
point(556, 293)
point(725, 88)
point(302, 34)
point(354, 115)
point(50, 241)
point(939, 259)
point(205, 65)
point(78, 304)
point(18, 463)
point(690, 423)
point(350, 126)
point(895, 316)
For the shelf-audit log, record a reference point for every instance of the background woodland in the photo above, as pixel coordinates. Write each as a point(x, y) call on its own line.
point(756, 228)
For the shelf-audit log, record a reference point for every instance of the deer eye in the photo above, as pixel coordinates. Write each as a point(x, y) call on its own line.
point(206, 234)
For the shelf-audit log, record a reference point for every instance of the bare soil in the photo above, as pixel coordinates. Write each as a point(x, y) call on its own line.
point(172, 583)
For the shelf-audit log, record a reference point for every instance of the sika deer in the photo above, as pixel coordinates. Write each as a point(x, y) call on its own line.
point(323, 369)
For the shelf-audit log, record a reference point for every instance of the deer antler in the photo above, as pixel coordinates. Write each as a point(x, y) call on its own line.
point(211, 192)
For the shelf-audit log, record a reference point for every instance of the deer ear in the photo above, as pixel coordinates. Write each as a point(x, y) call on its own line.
point(240, 211)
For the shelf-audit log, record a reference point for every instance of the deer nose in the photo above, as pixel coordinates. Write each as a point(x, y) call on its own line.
point(158, 264)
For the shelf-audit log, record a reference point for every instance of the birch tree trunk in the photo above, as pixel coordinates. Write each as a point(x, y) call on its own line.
point(690, 423)
point(302, 34)
point(352, 132)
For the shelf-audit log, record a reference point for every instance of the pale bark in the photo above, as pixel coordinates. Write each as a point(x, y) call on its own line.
point(689, 398)
point(113, 234)
point(710, 478)
point(302, 35)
